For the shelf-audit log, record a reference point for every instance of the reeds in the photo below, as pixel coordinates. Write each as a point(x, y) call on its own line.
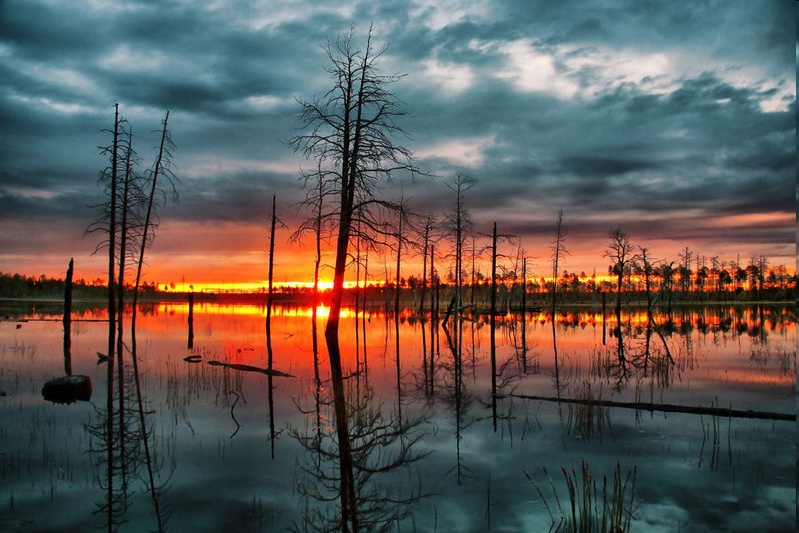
point(712, 432)
point(588, 416)
point(589, 510)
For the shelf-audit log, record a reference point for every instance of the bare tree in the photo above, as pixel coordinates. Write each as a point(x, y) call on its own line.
point(559, 251)
point(648, 269)
point(685, 269)
point(352, 129)
point(458, 223)
point(619, 251)
point(321, 223)
point(350, 133)
point(429, 226)
point(127, 217)
point(160, 172)
point(107, 223)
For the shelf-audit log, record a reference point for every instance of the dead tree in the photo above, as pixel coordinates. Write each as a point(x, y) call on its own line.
point(620, 252)
point(457, 222)
point(558, 252)
point(350, 132)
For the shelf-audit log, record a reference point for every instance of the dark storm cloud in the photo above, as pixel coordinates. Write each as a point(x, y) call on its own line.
point(242, 197)
point(608, 109)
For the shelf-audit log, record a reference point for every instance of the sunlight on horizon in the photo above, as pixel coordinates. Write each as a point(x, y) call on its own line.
point(259, 286)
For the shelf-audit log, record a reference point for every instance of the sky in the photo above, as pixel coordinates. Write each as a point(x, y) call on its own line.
point(673, 121)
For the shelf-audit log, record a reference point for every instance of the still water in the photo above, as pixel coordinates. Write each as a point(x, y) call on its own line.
point(445, 440)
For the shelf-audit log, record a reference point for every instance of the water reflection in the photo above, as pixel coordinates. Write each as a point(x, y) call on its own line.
point(374, 485)
point(441, 411)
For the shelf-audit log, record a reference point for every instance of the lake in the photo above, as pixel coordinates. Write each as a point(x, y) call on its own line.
point(450, 432)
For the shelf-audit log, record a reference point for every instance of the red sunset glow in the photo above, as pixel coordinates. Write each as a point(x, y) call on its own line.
point(221, 263)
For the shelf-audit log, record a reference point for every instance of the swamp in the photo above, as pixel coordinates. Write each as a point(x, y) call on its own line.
point(513, 422)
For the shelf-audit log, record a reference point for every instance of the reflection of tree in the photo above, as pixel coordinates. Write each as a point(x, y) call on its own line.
point(122, 441)
point(558, 383)
point(504, 376)
point(382, 450)
point(456, 393)
point(622, 369)
point(351, 130)
point(528, 359)
point(652, 361)
point(127, 217)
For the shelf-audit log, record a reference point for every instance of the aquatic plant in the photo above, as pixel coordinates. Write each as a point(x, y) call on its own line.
point(588, 415)
point(589, 510)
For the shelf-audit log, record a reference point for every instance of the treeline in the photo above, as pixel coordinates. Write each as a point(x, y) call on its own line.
point(23, 286)
point(777, 286)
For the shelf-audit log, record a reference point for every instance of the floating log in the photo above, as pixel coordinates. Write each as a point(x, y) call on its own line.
point(193, 358)
point(664, 407)
point(250, 368)
point(68, 389)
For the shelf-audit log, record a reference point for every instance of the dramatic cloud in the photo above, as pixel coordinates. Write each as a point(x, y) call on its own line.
point(673, 121)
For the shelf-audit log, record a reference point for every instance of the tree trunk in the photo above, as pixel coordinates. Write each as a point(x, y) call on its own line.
point(424, 267)
point(112, 223)
point(494, 322)
point(269, 283)
point(399, 263)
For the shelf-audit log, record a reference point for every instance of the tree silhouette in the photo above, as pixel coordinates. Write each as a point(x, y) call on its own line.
point(458, 223)
point(558, 252)
point(350, 133)
point(128, 217)
point(619, 251)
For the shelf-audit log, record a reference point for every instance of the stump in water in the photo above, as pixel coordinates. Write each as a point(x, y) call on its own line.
point(67, 320)
point(68, 389)
point(190, 343)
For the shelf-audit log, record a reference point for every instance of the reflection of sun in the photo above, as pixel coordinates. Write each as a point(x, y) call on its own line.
point(323, 311)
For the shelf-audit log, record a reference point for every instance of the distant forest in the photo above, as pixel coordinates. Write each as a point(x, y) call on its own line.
point(24, 286)
point(707, 285)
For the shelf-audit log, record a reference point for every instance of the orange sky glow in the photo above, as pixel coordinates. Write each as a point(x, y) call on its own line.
point(230, 260)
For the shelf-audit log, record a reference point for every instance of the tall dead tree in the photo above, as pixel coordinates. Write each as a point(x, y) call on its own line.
point(559, 251)
point(161, 170)
point(458, 223)
point(648, 269)
point(350, 133)
point(619, 251)
point(112, 224)
point(270, 276)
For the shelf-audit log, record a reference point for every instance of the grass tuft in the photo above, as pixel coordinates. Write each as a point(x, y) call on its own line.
point(591, 510)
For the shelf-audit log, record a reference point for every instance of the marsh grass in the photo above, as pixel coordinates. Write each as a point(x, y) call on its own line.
point(764, 356)
point(588, 417)
point(711, 433)
point(590, 508)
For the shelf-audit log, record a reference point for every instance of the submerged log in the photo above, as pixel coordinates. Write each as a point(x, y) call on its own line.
point(68, 389)
point(665, 407)
point(250, 368)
